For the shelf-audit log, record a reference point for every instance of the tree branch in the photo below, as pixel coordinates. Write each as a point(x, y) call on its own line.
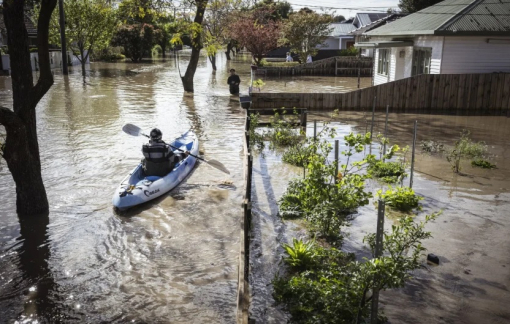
point(9, 119)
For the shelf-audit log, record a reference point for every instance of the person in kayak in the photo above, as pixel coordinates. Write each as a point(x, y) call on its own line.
point(159, 158)
point(233, 82)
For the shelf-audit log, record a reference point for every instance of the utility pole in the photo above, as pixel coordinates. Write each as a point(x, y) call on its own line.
point(65, 70)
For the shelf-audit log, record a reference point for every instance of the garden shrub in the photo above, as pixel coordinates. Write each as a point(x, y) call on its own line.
point(464, 148)
point(403, 199)
point(481, 163)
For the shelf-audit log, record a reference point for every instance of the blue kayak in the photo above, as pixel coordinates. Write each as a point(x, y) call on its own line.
point(137, 188)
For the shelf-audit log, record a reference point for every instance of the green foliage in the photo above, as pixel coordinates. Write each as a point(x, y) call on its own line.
point(4, 50)
point(89, 26)
point(298, 155)
point(304, 31)
point(481, 163)
point(464, 148)
point(351, 51)
point(334, 289)
point(403, 199)
point(256, 139)
point(136, 40)
point(33, 49)
point(325, 198)
point(300, 254)
point(410, 6)
point(108, 54)
point(389, 172)
point(431, 146)
point(282, 134)
point(156, 50)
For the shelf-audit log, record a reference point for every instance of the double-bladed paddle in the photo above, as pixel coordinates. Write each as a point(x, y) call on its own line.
point(137, 131)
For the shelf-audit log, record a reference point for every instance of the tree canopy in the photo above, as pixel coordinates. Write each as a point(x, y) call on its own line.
point(410, 6)
point(256, 31)
point(304, 31)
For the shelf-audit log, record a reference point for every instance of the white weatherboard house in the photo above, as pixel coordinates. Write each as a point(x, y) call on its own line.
point(451, 37)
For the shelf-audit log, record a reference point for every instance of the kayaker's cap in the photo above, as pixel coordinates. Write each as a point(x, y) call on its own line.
point(156, 134)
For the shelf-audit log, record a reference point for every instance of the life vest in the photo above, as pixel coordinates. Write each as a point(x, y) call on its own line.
point(157, 152)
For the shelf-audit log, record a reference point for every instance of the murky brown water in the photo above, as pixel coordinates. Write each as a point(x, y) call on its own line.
point(471, 284)
point(173, 260)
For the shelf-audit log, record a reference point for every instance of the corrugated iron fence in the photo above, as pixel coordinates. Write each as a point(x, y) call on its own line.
point(432, 93)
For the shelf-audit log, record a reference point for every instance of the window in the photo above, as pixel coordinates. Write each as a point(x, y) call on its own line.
point(421, 60)
point(382, 62)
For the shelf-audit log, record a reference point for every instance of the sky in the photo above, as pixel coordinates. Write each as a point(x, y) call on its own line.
point(346, 8)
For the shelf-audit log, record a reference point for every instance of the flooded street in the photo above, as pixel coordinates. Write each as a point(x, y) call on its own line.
point(172, 260)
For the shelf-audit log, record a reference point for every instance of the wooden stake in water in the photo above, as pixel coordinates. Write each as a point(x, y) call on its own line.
point(385, 131)
point(337, 147)
point(378, 253)
point(373, 117)
point(412, 156)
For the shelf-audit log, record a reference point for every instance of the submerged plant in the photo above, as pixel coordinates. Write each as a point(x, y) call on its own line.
point(282, 134)
point(431, 146)
point(464, 148)
point(256, 139)
point(481, 163)
point(403, 199)
point(300, 254)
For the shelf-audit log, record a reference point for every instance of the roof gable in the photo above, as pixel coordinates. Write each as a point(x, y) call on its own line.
point(453, 17)
point(341, 29)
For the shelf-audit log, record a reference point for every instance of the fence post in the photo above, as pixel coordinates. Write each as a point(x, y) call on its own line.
point(385, 131)
point(412, 156)
point(378, 252)
point(373, 117)
point(336, 67)
point(337, 147)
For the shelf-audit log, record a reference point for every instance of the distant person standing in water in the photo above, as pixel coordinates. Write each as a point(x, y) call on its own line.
point(233, 82)
point(289, 58)
point(309, 59)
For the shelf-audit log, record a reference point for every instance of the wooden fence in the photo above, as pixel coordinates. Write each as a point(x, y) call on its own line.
point(432, 93)
point(338, 65)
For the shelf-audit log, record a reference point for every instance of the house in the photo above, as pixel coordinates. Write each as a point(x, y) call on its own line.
point(359, 33)
point(451, 37)
point(31, 30)
point(341, 37)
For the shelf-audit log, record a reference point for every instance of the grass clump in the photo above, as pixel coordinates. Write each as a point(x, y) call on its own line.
point(481, 163)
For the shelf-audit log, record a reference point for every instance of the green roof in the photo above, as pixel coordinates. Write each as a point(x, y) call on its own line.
point(452, 18)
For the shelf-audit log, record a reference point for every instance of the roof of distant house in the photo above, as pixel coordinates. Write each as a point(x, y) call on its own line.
point(453, 18)
point(366, 18)
point(31, 29)
point(341, 29)
point(378, 23)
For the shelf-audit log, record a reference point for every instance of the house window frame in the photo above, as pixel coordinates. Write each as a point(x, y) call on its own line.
point(422, 60)
point(383, 61)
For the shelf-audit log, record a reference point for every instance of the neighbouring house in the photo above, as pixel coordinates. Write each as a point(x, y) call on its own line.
point(359, 33)
point(31, 30)
point(341, 37)
point(451, 37)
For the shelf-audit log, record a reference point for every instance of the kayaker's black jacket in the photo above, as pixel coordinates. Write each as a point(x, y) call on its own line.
point(159, 158)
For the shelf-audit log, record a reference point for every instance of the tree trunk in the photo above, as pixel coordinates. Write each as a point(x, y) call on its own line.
point(212, 59)
point(21, 150)
point(229, 48)
point(187, 79)
point(82, 61)
point(163, 48)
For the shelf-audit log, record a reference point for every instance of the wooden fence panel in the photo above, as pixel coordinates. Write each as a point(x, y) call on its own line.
point(449, 93)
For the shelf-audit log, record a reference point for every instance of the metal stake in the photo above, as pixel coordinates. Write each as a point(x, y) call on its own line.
point(314, 129)
point(337, 146)
point(412, 156)
point(373, 117)
point(385, 132)
point(378, 253)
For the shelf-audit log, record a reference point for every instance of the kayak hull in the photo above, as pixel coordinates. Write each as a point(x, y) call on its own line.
point(137, 188)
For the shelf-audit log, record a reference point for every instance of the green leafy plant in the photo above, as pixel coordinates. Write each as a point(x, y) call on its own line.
point(282, 134)
point(388, 171)
point(298, 155)
point(401, 198)
point(464, 148)
point(336, 288)
point(300, 254)
point(256, 138)
point(156, 50)
point(481, 163)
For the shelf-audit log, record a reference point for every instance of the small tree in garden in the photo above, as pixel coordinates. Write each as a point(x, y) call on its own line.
point(464, 148)
point(89, 26)
point(257, 32)
point(136, 40)
point(304, 31)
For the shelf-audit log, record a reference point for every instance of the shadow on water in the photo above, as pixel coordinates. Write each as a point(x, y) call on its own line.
point(35, 288)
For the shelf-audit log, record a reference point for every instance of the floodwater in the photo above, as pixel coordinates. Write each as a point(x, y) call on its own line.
point(471, 283)
point(173, 260)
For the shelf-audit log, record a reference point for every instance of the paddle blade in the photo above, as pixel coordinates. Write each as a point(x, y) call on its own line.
point(132, 130)
point(217, 165)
